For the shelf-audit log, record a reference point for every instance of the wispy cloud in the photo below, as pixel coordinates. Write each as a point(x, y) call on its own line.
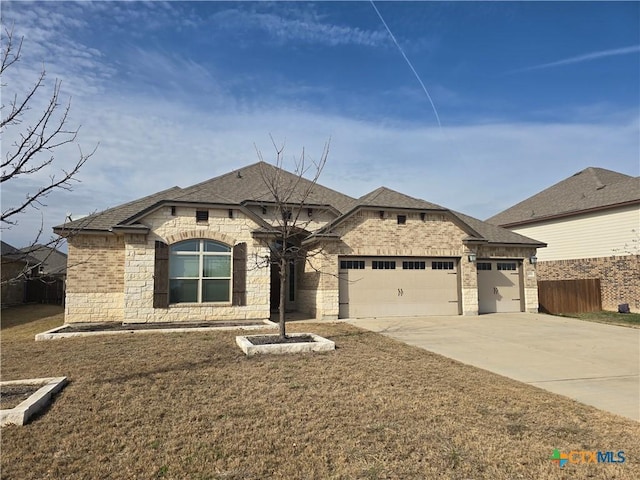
point(136, 105)
point(305, 28)
point(587, 57)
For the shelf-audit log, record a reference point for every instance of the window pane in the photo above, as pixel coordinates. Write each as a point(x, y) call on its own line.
point(215, 290)
point(183, 291)
point(186, 246)
point(183, 266)
point(211, 246)
point(217, 266)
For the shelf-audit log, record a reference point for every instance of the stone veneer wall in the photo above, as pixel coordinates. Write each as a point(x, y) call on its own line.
point(318, 284)
point(140, 257)
point(113, 277)
point(619, 277)
point(95, 279)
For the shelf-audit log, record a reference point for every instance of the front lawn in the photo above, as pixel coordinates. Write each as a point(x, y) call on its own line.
point(614, 318)
point(191, 405)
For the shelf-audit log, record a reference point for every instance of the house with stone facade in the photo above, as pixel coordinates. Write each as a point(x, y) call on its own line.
point(591, 223)
point(202, 253)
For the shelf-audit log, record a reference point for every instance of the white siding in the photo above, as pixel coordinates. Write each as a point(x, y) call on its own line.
point(607, 233)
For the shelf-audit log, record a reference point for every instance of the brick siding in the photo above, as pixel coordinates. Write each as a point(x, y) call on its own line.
point(619, 277)
point(95, 278)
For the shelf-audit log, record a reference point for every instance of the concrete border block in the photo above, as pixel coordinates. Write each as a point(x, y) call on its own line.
point(319, 344)
point(20, 414)
point(55, 333)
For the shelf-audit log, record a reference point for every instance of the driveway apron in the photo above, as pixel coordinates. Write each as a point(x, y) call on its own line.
point(593, 363)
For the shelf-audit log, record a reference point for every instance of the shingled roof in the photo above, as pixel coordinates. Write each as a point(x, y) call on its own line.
point(246, 185)
point(234, 188)
point(107, 219)
point(9, 253)
point(495, 234)
point(387, 198)
point(588, 190)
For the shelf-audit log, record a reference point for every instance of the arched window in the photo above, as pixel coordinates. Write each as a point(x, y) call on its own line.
point(199, 271)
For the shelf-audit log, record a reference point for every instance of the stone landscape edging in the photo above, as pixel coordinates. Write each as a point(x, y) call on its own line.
point(20, 414)
point(54, 333)
point(319, 344)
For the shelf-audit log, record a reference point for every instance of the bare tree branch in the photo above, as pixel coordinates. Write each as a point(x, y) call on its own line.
point(33, 151)
point(290, 195)
point(35, 146)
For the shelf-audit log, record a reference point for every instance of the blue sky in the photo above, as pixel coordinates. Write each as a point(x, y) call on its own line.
point(523, 94)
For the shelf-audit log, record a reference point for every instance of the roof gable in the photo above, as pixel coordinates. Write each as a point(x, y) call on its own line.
point(589, 189)
point(247, 185)
point(384, 197)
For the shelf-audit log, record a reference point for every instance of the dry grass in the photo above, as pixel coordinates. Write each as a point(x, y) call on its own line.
point(192, 406)
point(613, 318)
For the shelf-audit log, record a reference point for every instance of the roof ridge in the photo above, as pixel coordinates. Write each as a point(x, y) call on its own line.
point(592, 187)
point(218, 177)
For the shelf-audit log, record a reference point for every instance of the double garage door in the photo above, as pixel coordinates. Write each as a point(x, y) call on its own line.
point(398, 286)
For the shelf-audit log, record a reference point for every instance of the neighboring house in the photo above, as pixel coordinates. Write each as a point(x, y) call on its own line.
point(51, 261)
point(47, 279)
point(15, 268)
point(200, 253)
point(591, 223)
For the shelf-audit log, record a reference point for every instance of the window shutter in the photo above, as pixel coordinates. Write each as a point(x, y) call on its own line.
point(161, 276)
point(240, 274)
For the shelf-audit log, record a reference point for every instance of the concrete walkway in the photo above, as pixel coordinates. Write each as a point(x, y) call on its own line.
point(593, 363)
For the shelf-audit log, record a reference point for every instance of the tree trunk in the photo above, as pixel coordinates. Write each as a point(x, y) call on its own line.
point(283, 292)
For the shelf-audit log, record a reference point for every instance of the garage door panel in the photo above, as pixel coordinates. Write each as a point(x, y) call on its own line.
point(420, 290)
point(499, 290)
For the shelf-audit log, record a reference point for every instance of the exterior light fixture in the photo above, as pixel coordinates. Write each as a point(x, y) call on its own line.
point(472, 257)
point(533, 259)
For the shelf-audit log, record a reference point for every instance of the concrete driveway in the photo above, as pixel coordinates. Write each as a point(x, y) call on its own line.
point(593, 363)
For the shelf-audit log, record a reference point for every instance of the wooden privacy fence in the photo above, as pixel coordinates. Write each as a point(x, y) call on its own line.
point(570, 296)
point(44, 290)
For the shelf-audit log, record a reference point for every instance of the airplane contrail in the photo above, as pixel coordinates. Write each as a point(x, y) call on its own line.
point(584, 58)
point(435, 111)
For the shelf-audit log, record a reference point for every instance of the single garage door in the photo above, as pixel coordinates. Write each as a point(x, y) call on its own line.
point(398, 287)
point(499, 286)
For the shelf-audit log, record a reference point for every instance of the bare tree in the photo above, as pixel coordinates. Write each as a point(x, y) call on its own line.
point(35, 142)
point(290, 195)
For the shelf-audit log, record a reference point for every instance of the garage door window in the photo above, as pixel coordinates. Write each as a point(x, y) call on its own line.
point(441, 265)
point(352, 264)
point(383, 265)
point(484, 266)
point(507, 266)
point(413, 265)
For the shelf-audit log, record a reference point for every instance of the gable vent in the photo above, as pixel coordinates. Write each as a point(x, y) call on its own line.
point(202, 215)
